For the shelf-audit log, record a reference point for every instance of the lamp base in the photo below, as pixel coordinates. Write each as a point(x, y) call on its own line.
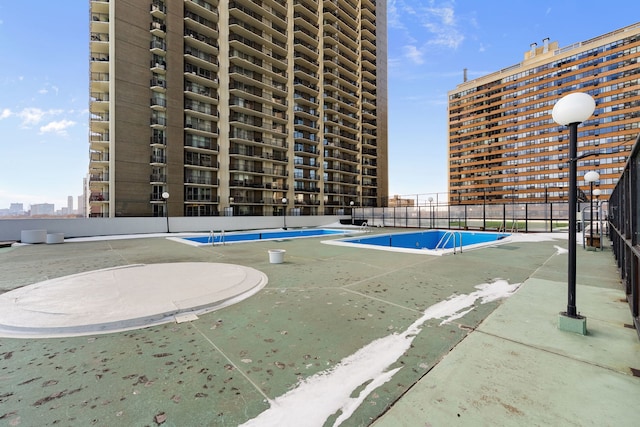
point(577, 325)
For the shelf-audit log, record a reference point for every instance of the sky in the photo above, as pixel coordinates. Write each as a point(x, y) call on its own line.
point(44, 81)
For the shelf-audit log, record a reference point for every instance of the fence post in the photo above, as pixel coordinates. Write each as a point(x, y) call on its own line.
point(465, 216)
point(504, 216)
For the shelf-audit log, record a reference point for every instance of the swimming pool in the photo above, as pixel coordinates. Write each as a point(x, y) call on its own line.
point(213, 238)
point(432, 242)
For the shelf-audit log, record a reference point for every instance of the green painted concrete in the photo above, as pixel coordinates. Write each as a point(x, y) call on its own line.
point(503, 363)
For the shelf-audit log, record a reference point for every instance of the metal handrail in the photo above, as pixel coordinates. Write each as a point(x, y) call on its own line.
point(212, 238)
point(448, 235)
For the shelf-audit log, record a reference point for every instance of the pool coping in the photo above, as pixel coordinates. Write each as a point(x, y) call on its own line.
point(184, 238)
point(432, 252)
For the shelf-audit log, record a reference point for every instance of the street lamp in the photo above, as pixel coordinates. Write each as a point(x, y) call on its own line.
point(570, 111)
point(284, 214)
point(591, 177)
point(351, 203)
point(597, 192)
point(165, 197)
point(546, 207)
point(430, 212)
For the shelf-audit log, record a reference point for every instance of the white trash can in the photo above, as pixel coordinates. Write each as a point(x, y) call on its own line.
point(276, 256)
point(33, 236)
point(54, 238)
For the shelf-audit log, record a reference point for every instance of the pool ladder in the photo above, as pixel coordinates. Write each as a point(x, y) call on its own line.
point(212, 238)
point(446, 238)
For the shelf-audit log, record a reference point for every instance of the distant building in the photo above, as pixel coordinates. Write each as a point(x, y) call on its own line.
point(503, 142)
point(244, 108)
point(16, 209)
point(69, 204)
point(397, 201)
point(43, 209)
point(81, 206)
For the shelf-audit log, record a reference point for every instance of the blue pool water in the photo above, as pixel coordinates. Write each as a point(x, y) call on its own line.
point(429, 240)
point(262, 235)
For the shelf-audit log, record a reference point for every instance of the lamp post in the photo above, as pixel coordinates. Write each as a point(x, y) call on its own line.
point(597, 193)
point(284, 213)
point(570, 111)
point(165, 197)
point(351, 203)
point(591, 177)
point(546, 206)
point(430, 212)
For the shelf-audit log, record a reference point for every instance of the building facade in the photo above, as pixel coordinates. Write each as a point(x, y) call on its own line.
point(503, 143)
point(205, 107)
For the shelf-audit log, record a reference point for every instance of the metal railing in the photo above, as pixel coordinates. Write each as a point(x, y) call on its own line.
point(510, 217)
point(624, 216)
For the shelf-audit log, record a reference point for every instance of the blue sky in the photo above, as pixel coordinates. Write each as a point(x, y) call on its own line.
point(44, 81)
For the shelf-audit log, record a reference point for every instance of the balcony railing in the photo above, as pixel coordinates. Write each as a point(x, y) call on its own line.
point(99, 197)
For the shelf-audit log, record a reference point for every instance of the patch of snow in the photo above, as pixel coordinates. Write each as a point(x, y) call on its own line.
point(318, 397)
point(538, 237)
point(559, 250)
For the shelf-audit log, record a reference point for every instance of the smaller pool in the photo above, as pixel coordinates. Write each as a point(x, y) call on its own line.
point(252, 236)
point(433, 242)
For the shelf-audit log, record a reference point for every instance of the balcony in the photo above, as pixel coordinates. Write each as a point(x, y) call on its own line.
point(158, 103)
point(99, 197)
point(158, 9)
point(202, 180)
point(158, 159)
point(158, 178)
point(99, 156)
point(99, 177)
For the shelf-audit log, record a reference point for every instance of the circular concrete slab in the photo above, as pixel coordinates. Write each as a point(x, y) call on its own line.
point(124, 298)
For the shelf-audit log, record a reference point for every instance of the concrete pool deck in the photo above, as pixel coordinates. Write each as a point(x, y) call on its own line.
point(503, 362)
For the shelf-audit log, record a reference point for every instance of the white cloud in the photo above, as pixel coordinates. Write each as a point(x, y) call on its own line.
point(45, 90)
point(393, 17)
point(5, 113)
point(59, 127)
point(411, 19)
point(34, 116)
point(31, 116)
point(442, 24)
point(414, 54)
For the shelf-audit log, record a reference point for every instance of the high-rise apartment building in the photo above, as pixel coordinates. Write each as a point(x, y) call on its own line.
point(233, 107)
point(503, 142)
